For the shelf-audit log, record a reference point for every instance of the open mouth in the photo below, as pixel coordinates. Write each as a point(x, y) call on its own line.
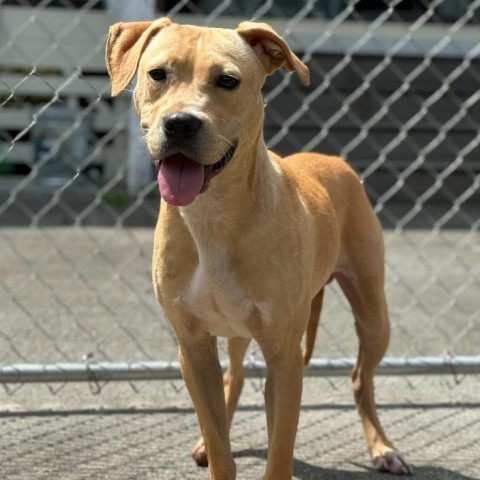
point(222, 163)
point(181, 179)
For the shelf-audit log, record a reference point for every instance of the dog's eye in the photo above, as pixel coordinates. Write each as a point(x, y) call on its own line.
point(227, 81)
point(158, 74)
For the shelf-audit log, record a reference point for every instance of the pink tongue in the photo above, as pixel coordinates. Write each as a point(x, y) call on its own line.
point(180, 180)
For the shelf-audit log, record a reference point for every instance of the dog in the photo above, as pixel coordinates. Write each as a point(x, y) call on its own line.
point(245, 240)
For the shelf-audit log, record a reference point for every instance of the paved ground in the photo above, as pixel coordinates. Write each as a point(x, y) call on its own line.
point(148, 435)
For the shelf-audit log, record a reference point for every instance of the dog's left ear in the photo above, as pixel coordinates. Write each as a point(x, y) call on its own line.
point(125, 45)
point(272, 50)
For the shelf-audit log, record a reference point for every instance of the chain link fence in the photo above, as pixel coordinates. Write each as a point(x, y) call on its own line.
point(394, 91)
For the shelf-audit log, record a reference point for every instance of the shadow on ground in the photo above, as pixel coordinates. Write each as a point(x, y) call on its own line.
point(306, 471)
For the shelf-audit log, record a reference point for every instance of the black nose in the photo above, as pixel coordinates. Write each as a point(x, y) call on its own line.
point(180, 125)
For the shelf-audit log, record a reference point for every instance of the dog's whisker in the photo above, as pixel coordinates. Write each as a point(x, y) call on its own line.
point(224, 142)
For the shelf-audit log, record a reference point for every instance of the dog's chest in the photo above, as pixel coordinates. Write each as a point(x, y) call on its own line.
point(215, 296)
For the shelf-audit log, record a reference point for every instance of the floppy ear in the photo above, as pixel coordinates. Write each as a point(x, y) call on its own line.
point(272, 50)
point(125, 45)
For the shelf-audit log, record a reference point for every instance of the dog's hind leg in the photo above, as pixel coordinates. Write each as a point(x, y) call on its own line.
point(364, 290)
point(233, 384)
point(312, 327)
point(233, 377)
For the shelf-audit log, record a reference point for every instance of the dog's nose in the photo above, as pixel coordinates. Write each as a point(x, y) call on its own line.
point(180, 125)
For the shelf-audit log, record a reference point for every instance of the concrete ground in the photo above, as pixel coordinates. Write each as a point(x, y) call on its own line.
point(122, 435)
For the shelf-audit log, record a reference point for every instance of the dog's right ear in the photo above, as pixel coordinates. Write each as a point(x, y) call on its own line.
point(272, 49)
point(125, 45)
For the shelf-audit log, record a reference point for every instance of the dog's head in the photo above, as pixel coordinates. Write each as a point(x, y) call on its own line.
point(198, 93)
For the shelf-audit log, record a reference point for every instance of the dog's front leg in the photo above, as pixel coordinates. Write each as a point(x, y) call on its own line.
point(283, 392)
point(203, 376)
point(232, 383)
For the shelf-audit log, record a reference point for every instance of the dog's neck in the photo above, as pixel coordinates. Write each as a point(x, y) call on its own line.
point(234, 202)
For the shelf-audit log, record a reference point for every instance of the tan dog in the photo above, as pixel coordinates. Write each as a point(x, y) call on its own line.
point(245, 240)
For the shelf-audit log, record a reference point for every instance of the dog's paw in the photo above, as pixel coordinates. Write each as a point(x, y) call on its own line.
point(393, 462)
point(199, 454)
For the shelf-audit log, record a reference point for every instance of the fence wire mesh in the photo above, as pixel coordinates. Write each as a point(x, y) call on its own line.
point(394, 91)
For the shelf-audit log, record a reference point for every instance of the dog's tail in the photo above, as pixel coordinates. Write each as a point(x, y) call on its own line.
point(312, 327)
